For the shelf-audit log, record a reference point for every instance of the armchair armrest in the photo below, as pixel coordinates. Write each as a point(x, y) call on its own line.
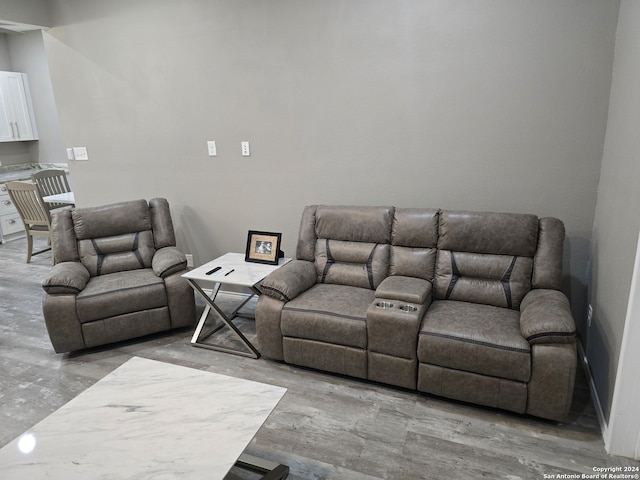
point(290, 280)
point(66, 278)
point(405, 289)
point(545, 317)
point(167, 261)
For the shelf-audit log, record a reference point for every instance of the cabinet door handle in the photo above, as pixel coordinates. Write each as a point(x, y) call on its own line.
point(7, 202)
point(12, 221)
point(13, 133)
point(17, 129)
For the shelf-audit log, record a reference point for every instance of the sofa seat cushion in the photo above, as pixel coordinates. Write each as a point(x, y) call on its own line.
point(329, 313)
point(118, 293)
point(475, 338)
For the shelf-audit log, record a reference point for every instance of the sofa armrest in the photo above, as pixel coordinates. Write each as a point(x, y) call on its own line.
point(167, 261)
point(405, 289)
point(545, 317)
point(290, 280)
point(66, 278)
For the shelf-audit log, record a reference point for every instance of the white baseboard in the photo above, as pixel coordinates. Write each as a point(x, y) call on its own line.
point(594, 392)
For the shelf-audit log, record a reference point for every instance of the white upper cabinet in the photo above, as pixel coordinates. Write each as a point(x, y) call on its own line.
point(17, 121)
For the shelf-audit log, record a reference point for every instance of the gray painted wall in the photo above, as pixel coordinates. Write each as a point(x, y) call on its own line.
point(33, 12)
point(617, 218)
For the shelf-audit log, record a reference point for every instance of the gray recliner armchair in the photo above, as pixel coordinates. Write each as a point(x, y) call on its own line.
point(117, 276)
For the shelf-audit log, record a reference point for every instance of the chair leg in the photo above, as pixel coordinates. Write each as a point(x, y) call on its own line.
point(29, 247)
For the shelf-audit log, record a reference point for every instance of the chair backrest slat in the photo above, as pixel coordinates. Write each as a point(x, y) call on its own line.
point(51, 182)
point(28, 201)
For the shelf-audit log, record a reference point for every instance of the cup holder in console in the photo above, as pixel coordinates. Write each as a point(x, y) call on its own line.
point(408, 308)
point(384, 304)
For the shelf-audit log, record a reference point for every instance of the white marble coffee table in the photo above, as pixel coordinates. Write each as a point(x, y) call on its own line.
point(148, 420)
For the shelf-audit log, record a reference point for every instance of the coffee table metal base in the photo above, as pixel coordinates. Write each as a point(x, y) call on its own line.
point(271, 470)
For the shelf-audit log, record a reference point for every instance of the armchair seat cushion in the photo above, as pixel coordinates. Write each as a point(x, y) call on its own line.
point(329, 313)
point(475, 338)
point(119, 293)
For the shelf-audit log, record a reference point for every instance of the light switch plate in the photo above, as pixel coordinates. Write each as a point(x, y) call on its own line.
point(211, 147)
point(80, 153)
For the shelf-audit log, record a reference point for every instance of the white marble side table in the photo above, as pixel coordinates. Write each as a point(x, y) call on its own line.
point(234, 271)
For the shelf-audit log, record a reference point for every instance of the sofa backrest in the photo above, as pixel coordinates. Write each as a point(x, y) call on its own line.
point(349, 245)
point(480, 257)
point(113, 238)
point(414, 239)
point(485, 257)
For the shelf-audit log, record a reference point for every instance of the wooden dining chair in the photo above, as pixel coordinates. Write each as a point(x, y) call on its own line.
point(51, 182)
point(35, 215)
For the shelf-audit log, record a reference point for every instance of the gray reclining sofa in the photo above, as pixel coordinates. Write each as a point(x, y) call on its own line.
point(117, 275)
point(464, 305)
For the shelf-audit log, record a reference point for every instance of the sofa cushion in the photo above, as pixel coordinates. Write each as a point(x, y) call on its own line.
point(354, 224)
point(488, 232)
point(415, 227)
point(413, 262)
point(498, 280)
point(414, 238)
point(475, 338)
point(329, 313)
point(119, 293)
point(356, 264)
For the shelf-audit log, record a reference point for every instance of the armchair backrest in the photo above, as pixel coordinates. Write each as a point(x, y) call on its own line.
point(112, 238)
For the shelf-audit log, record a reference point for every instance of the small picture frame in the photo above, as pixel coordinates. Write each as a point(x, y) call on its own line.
point(263, 247)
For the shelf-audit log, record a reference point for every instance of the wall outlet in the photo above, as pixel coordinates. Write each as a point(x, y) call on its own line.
point(589, 315)
point(245, 149)
point(189, 260)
